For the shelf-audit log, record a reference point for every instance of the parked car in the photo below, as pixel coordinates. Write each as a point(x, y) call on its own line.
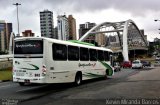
point(157, 63)
point(127, 64)
point(137, 64)
point(157, 58)
point(117, 66)
point(146, 63)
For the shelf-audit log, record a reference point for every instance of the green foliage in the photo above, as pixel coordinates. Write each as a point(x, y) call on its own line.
point(5, 75)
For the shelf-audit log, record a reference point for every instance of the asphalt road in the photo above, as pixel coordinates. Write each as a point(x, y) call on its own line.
point(126, 84)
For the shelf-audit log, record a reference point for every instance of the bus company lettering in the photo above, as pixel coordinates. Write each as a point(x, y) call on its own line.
point(88, 64)
point(27, 45)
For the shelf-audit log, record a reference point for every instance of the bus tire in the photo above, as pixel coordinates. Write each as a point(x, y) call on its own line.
point(78, 79)
point(21, 83)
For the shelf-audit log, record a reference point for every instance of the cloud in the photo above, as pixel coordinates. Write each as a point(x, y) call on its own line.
point(143, 12)
point(135, 7)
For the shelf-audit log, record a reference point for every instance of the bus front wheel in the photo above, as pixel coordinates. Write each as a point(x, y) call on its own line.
point(78, 79)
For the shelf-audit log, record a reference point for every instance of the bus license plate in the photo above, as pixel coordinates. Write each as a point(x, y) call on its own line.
point(19, 74)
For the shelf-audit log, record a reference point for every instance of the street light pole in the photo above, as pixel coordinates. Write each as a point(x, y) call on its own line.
point(17, 4)
point(159, 33)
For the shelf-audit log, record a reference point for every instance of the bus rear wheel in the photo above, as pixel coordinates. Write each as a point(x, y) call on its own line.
point(78, 79)
point(21, 83)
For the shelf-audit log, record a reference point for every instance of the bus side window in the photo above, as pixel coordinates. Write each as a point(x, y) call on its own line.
point(84, 54)
point(73, 53)
point(59, 51)
point(93, 54)
point(100, 55)
point(106, 56)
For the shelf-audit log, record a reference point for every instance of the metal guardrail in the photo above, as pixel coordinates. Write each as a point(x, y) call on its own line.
point(6, 57)
point(5, 64)
point(6, 61)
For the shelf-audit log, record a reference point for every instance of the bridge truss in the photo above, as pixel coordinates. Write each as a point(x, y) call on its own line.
point(119, 36)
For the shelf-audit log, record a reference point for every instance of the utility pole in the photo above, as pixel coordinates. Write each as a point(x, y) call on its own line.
point(17, 4)
point(158, 47)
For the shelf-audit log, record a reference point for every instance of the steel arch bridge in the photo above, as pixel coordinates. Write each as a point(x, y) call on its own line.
point(126, 33)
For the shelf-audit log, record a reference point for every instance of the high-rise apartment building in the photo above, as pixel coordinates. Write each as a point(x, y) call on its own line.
point(72, 28)
point(56, 32)
point(5, 31)
point(47, 24)
point(28, 33)
point(83, 28)
point(63, 27)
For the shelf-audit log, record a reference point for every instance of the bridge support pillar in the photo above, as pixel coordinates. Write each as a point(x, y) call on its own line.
point(125, 42)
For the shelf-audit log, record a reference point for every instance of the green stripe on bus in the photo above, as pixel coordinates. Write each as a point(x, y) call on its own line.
point(35, 67)
point(79, 42)
point(92, 75)
point(110, 73)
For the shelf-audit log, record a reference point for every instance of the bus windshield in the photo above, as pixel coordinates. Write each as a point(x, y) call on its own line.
point(28, 47)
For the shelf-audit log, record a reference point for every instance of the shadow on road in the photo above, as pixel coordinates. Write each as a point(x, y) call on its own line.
point(145, 69)
point(37, 88)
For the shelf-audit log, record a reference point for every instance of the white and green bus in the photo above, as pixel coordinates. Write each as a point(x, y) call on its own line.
point(46, 60)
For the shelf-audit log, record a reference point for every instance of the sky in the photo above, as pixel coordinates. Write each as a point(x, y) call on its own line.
point(142, 12)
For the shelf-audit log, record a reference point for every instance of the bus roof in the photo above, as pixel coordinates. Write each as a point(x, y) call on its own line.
point(73, 43)
point(80, 42)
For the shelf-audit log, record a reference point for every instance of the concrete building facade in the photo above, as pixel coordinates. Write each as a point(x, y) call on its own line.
point(28, 33)
point(63, 27)
point(72, 27)
point(101, 39)
point(5, 31)
point(83, 28)
point(47, 24)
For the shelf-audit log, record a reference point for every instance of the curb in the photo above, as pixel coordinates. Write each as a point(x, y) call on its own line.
point(4, 81)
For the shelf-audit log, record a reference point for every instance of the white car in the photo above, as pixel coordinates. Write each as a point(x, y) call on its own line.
point(157, 58)
point(137, 64)
point(156, 63)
